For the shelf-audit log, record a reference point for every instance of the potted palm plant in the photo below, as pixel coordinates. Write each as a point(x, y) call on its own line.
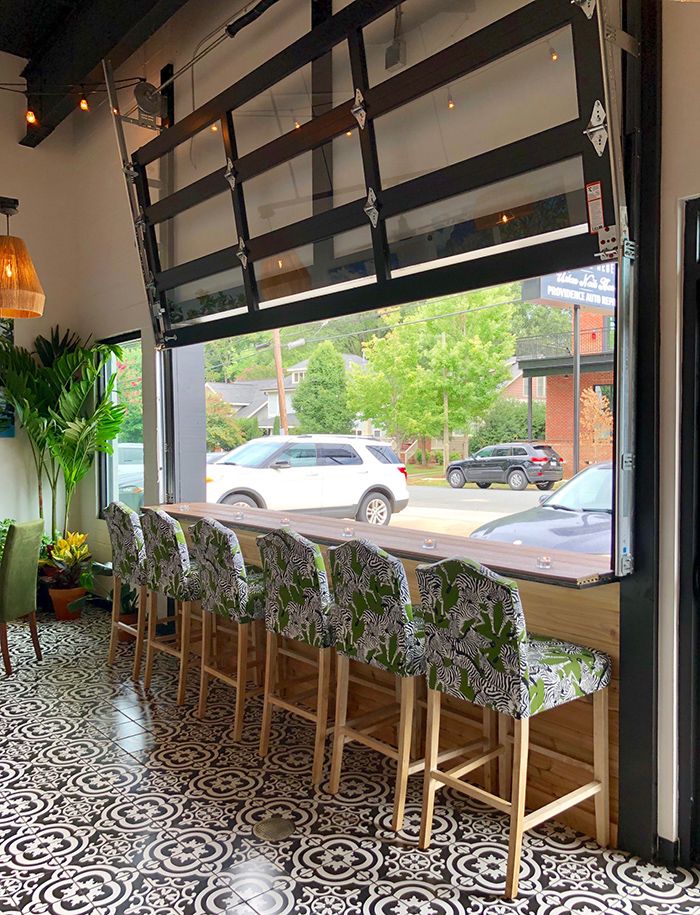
point(71, 559)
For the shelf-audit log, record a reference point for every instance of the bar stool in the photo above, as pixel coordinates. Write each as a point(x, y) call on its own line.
point(128, 566)
point(296, 608)
point(478, 649)
point(171, 573)
point(373, 622)
point(228, 593)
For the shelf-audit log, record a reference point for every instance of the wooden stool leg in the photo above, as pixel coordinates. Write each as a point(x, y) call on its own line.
point(270, 675)
point(185, 625)
point(430, 786)
point(341, 716)
point(259, 650)
point(5, 649)
point(204, 674)
point(324, 672)
point(241, 679)
point(504, 760)
point(35, 635)
point(215, 641)
point(490, 729)
point(140, 629)
point(150, 649)
point(116, 607)
point(408, 699)
point(601, 766)
point(521, 746)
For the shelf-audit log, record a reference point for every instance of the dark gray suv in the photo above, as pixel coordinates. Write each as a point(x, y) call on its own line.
point(516, 463)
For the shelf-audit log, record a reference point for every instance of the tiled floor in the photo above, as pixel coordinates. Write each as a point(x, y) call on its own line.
point(119, 803)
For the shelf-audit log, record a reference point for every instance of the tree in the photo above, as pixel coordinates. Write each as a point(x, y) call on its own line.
point(440, 370)
point(130, 392)
point(506, 421)
point(531, 320)
point(596, 418)
point(224, 431)
point(321, 400)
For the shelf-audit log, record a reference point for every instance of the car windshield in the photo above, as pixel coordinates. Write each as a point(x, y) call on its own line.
point(252, 454)
point(131, 454)
point(589, 491)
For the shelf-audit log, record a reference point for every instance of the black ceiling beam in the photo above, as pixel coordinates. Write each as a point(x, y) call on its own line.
point(91, 32)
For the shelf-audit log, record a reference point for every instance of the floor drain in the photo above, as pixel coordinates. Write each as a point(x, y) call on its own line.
point(274, 829)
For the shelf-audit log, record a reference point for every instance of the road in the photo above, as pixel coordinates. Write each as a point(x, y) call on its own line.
point(460, 511)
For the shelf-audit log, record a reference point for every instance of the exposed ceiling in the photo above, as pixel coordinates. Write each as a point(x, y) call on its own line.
point(64, 42)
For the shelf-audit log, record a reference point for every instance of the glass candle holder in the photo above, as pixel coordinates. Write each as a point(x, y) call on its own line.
point(430, 543)
point(284, 520)
point(184, 506)
point(544, 562)
point(238, 515)
point(348, 533)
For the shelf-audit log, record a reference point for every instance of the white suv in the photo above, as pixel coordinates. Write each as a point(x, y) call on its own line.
point(342, 476)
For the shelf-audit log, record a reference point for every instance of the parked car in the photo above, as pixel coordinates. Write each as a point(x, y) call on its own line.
point(516, 463)
point(577, 517)
point(338, 475)
point(130, 473)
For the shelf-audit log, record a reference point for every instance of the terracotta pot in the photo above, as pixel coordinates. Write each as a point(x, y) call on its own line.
point(61, 598)
point(131, 619)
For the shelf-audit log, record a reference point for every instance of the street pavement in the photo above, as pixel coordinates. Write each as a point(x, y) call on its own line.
point(460, 511)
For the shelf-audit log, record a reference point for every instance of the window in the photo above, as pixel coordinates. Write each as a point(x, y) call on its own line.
point(485, 453)
point(298, 377)
point(502, 452)
point(299, 455)
point(384, 454)
point(273, 404)
point(519, 452)
point(332, 455)
point(252, 454)
point(121, 474)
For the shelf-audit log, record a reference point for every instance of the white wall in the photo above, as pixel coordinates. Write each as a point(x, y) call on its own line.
point(41, 179)
point(680, 179)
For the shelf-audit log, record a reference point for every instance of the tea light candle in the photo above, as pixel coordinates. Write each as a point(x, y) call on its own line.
point(429, 543)
point(348, 532)
point(284, 520)
point(544, 562)
point(238, 516)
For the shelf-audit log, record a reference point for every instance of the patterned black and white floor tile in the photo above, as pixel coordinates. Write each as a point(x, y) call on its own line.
point(118, 802)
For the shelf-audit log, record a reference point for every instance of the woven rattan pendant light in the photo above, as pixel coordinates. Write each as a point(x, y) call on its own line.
point(21, 295)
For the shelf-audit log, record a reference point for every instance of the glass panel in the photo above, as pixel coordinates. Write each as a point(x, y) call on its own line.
point(213, 295)
point(293, 101)
point(288, 192)
point(203, 154)
point(207, 227)
point(417, 29)
point(294, 274)
point(515, 97)
point(529, 205)
point(123, 469)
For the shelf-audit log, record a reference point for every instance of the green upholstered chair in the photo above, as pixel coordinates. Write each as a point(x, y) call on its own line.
point(169, 572)
point(234, 595)
point(128, 567)
point(297, 600)
point(18, 574)
point(373, 622)
point(478, 649)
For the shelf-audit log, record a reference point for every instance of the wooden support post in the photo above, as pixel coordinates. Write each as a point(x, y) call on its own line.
point(430, 786)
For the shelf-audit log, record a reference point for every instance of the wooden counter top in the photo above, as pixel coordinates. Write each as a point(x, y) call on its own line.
point(569, 570)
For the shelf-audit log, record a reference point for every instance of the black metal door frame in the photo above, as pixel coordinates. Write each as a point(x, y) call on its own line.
point(689, 603)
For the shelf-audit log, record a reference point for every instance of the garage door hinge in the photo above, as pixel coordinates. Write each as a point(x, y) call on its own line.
point(370, 208)
point(588, 7)
point(627, 460)
point(230, 174)
point(242, 253)
point(597, 130)
point(627, 564)
point(358, 110)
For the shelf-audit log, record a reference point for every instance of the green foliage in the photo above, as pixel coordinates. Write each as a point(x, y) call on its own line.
point(321, 400)
point(442, 374)
point(506, 421)
point(129, 391)
point(224, 431)
point(530, 320)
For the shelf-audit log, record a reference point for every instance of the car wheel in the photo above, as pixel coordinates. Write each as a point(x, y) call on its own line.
point(517, 479)
point(548, 484)
point(241, 501)
point(375, 509)
point(483, 485)
point(456, 478)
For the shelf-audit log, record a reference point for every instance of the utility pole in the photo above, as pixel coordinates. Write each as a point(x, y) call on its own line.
point(281, 397)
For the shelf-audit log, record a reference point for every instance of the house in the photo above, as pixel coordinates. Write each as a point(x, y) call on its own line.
point(260, 399)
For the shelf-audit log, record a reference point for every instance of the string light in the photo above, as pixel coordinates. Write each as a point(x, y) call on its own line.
point(214, 128)
point(553, 55)
point(450, 101)
point(29, 116)
point(297, 124)
point(348, 133)
point(83, 103)
point(504, 218)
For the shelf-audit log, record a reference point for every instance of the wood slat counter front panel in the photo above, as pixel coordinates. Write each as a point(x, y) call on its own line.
point(568, 609)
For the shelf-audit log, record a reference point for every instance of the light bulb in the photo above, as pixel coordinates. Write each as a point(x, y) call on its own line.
point(348, 133)
point(115, 111)
point(279, 263)
point(30, 116)
point(84, 104)
point(214, 128)
point(8, 271)
point(553, 55)
point(450, 102)
point(297, 125)
point(504, 218)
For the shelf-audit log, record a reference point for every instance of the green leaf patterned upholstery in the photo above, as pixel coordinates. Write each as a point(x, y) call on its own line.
point(372, 618)
point(168, 564)
point(477, 647)
point(227, 589)
point(297, 598)
point(128, 548)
